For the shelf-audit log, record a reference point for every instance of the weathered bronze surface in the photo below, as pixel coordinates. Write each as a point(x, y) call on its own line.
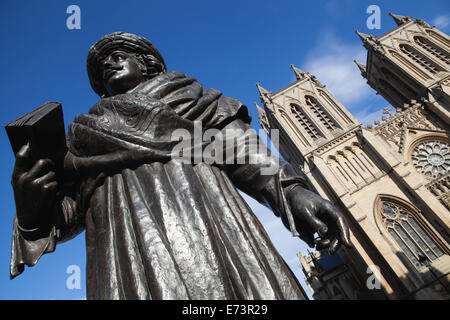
point(158, 227)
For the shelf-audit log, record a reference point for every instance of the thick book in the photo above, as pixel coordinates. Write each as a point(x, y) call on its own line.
point(43, 129)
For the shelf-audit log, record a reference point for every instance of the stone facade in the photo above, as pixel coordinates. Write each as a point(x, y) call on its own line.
point(392, 180)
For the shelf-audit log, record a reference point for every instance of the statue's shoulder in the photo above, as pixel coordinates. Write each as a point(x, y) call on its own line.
point(171, 76)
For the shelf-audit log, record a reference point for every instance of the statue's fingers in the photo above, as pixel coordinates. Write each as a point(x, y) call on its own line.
point(23, 161)
point(306, 235)
point(321, 243)
point(341, 225)
point(49, 190)
point(344, 232)
point(41, 167)
point(315, 223)
point(51, 186)
point(334, 246)
point(45, 180)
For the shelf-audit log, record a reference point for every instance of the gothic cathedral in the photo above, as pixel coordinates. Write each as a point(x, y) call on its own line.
point(391, 180)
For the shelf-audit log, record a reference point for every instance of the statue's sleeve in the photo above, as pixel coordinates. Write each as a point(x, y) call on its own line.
point(254, 170)
point(29, 245)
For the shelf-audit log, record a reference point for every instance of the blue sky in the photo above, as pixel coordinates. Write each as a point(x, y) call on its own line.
point(228, 45)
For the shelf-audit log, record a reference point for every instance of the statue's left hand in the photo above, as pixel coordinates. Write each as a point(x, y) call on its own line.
point(314, 214)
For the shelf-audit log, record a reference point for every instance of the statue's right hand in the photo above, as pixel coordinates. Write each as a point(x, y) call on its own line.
point(35, 189)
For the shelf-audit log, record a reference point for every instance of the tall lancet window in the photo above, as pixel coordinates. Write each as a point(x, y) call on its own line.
point(305, 122)
point(433, 49)
point(407, 228)
point(396, 96)
point(320, 113)
point(420, 59)
point(398, 83)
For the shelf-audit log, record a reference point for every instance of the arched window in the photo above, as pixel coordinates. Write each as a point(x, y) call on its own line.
point(320, 113)
point(305, 122)
point(420, 59)
point(443, 40)
point(407, 228)
point(433, 49)
point(398, 99)
point(398, 83)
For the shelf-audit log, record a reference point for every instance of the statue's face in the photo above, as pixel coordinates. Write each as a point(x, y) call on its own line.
point(121, 72)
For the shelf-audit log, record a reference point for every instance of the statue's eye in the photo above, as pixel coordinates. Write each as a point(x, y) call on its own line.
point(119, 56)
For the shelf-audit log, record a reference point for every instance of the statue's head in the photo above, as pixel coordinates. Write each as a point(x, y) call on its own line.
point(119, 61)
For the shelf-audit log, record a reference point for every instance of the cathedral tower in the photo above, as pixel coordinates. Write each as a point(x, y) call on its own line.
point(392, 180)
point(411, 62)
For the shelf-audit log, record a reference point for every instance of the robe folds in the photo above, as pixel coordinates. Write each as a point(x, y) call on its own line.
point(159, 227)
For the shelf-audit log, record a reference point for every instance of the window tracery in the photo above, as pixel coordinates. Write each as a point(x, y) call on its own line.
point(432, 158)
point(432, 49)
point(407, 229)
point(419, 58)
point(320, 113)
point(305, 122)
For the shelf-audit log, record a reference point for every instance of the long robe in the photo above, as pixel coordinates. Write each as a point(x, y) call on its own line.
point(158, 227)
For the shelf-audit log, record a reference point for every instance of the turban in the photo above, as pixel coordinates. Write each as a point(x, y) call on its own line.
point(125, 42)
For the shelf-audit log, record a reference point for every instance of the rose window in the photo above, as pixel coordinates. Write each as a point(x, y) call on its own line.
point(432, 158)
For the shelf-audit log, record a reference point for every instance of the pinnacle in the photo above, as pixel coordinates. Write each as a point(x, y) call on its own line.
point(399, 20)
point(260, 110)
point(364, 37)
point(262, 91)
point(361, 67)
point(299, 74)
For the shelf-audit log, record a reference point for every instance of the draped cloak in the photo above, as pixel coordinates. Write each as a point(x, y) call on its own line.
point(158, 227)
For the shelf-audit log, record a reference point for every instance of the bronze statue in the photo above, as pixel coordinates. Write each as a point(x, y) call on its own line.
point(158, 227)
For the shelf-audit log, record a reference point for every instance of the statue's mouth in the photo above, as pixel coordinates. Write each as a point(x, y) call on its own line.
point(108, 73)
